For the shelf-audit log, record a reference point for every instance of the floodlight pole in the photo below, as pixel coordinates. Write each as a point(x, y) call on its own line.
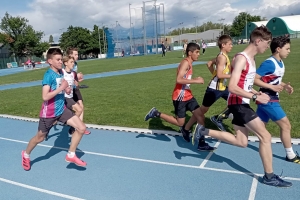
point(117, 36)
point(180, 32)
point(196, 22)
point(99, 42)
point(144, 27)
point(156, 39)
point(144, 22)
point(104, 37)
point(130, 33)
point(246, 29)
point(164, 20)
point(222, 24)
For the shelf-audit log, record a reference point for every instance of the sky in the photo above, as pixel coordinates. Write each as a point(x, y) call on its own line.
point(55, 16)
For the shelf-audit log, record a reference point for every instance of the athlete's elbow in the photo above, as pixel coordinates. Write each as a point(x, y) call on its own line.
point(231, 88)
point(45, 98)
point(179, 81)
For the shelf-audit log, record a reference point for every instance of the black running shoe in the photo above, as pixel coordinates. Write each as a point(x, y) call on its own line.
point(276, 181)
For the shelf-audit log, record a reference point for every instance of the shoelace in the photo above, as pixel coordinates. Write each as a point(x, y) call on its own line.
point(280, 176)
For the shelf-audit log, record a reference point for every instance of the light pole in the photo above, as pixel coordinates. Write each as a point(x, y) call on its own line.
point(156, 39)
point(196, 22)
point(61, 29)
point(104, 38)
point(180, 33)
point(144, 24)
point(99, 42)
point(130, 33)
point(117, 37)
point(246, 28)
point(164, 20)
point(222, 19)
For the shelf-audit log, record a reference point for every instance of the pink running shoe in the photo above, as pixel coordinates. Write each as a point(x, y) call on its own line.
point(76, 161)
point(25, 162)
point(87, 132)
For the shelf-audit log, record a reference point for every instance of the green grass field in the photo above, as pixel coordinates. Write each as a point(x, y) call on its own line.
point(124, 100)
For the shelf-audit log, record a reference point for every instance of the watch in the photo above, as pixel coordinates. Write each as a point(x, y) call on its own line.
point(254, 97)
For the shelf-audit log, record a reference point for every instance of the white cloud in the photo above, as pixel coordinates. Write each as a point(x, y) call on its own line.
point(52, 15)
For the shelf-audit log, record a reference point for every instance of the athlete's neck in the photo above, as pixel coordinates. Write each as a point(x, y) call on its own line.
point(67, 69)
point(54, 69)
point(224, 52)
point(277, 57)
point(251, 50)
point(189, 59)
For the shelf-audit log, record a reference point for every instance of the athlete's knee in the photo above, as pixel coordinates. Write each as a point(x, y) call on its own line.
point(243, 143)
point(265, 137)
point(180, 123)
point(285, 124)
point(80, 103)
point(40, 136)
point(78, 109)
point(204, 110)
point(81, 128)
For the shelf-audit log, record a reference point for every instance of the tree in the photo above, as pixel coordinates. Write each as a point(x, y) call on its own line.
point(239, 23)
point(85, 40)
point(204, 27)
point(22, 39)
point(51, 39)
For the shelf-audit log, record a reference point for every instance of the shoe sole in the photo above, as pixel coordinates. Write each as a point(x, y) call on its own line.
point(148, 114)
point(208, 150)
point(193, 134)
point(279, 186)
point(87, 133)
point(75, 163)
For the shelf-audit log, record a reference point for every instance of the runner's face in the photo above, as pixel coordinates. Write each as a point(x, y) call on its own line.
point(75, 55)
point(69, 64)
point(56, 61)
point(262, 45)
point(284, 51)
point(195, 54)
point(228, 46)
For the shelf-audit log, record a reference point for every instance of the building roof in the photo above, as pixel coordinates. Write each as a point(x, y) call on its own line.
point(259, 23)
point(292, 22)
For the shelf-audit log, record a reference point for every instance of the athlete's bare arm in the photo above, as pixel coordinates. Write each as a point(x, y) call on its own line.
point(210, 65)
point(183, 68)
point(47, 95)
point(220, 63)
point(287, 87)
point(260, 83)
point(239, 66)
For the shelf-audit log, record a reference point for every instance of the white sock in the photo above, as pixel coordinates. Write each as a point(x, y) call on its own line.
point(26, 155)
point(290, 153)
point(71, 154)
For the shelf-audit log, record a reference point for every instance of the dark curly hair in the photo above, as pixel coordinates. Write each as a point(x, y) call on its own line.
point(279, 42)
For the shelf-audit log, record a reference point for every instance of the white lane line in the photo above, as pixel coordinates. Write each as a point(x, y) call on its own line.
point(253, 188)
point(209, 155)
point(40, 189)
point(149, 161)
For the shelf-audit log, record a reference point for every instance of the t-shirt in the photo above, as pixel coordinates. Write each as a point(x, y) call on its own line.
point(55, 106)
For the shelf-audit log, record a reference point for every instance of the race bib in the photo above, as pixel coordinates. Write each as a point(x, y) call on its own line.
point(58, 84)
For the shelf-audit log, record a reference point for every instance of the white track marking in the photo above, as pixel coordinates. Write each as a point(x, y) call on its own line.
point(40, 189)
point(209, 155)
point(140, 130)
point(147, 160)
point(253, 188)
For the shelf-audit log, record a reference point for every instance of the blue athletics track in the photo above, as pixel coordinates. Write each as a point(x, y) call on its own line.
point(136, 164)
